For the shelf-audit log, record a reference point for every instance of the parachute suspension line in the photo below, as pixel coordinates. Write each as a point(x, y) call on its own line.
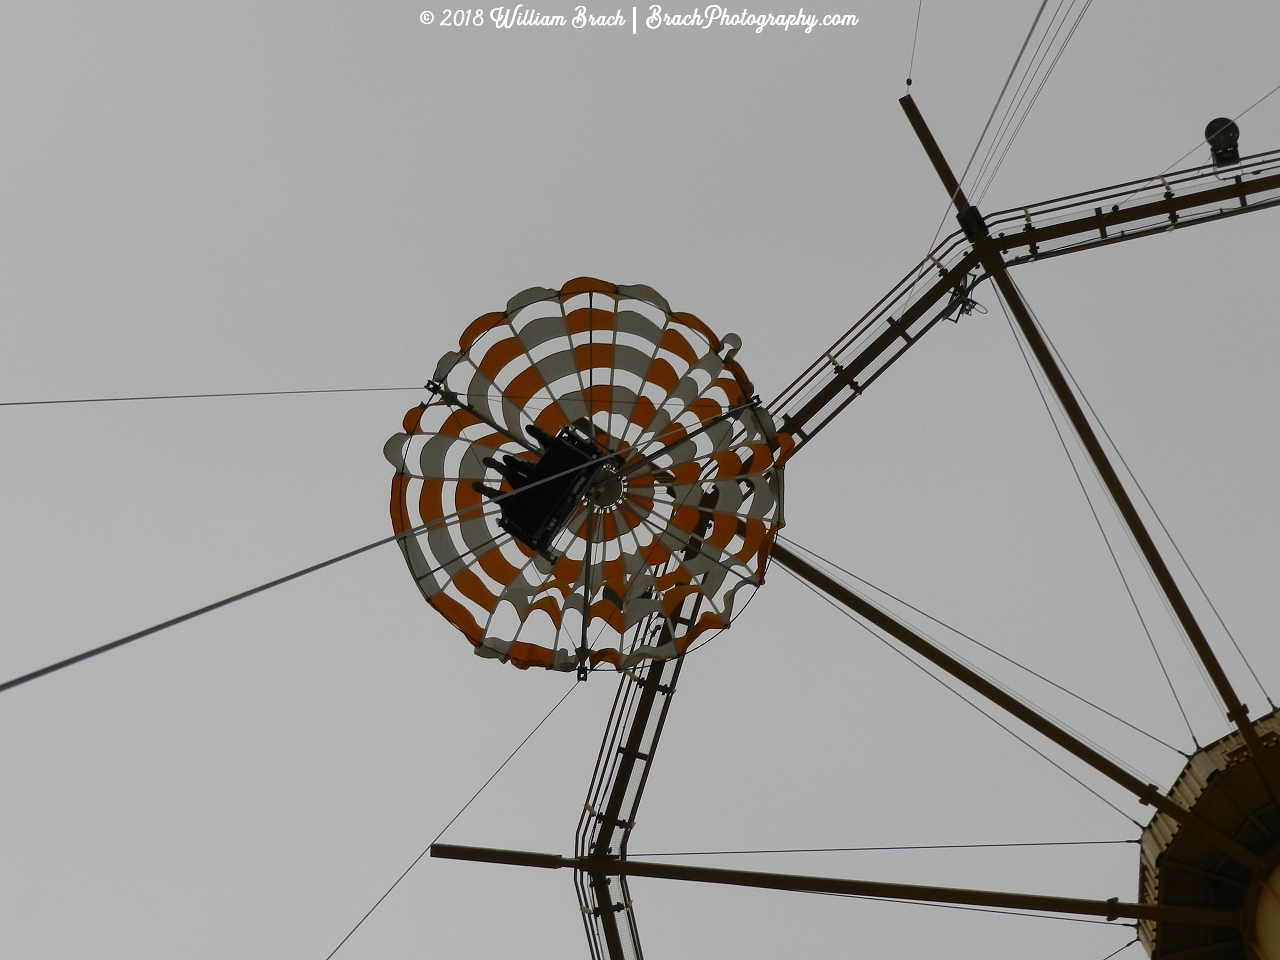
point(1178, 550)
point(975, 706)
point(992, 650)
point(261, 588)
point(204, 396)
point(1098, 521)
point(463, 810)
point(584, 650)
point(914, 36)
point(930, 846)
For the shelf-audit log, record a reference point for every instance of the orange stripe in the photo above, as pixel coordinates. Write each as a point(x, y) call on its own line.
point(478, 328)
point(693, 323)
point(708, 621)
point(593, 318)
point(526, 384)
point(551, 607)
point(686, 472)
point(598, 356)
point(459, 616)
point(732, 391)
point(499, 355)
point(685, 518)
point(431, 500)
point(473, 588)
point(673, 342)
point(551, 419)
point(586, 285)
point(786, 447)
point(496, 565)
point(766, 548)
point(661, 374)
point(607, 655)
point(723, 527)
point(740, 376)
point(465, 497)
point(566, 571)
point(525, 655)
point(413, 419)
point(705, 409)
point(728, 465)
point(677, 577)
point(458, 421)
point(609, 612)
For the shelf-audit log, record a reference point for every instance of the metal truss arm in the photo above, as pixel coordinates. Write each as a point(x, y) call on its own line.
point(622, 769)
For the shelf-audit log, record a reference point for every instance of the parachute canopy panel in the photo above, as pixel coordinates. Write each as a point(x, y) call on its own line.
point(592, 481)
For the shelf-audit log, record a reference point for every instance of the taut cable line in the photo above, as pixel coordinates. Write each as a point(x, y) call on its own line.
point(204, 396)
point(262, 588)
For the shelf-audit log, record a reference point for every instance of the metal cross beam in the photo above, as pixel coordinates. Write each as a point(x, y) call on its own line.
point(1110, 909)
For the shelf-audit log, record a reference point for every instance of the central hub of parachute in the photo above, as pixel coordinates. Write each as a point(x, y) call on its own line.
point(607, 488)
point(545, 492)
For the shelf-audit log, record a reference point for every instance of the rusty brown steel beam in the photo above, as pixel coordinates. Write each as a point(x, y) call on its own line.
point(846, 378)
point(1164, 208)
point(992, 261)
point(1111, 909)
point(1145, 792)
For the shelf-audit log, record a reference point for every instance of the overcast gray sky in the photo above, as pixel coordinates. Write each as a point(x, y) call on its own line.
point(247, 196)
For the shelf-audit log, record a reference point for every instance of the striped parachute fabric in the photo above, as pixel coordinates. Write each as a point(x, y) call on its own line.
point(592, 482)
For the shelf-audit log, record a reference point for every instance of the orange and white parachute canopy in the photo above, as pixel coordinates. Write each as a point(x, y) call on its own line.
point(587, 454)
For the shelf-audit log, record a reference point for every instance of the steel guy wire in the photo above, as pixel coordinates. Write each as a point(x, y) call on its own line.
point(1096, 519)
point(962, 697)
point(452, 819)
point(995, 652)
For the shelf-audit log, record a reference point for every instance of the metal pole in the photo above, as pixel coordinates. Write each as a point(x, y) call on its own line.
point(976, 230)
point(1145, 792)
point(1110, 909)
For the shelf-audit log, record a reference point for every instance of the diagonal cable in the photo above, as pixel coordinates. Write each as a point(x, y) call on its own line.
point(202, 396)
point(261, 588)
point(992, 650)
point(962, 697)
point(1098, 520)
point(452, 819)
point(1155, 513)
